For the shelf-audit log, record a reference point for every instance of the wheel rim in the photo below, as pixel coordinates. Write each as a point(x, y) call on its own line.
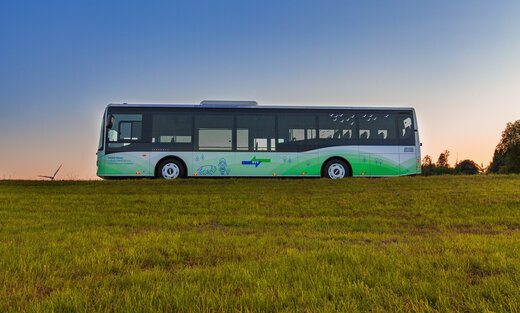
point(170, 171)
point(336, 170)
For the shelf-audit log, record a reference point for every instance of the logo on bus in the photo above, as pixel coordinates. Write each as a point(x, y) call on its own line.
point(254, 161)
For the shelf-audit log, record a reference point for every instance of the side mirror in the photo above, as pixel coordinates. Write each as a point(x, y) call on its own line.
point(110, 121)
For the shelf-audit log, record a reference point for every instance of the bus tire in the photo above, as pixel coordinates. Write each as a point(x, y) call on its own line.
point(170, 169)
point(336, 169)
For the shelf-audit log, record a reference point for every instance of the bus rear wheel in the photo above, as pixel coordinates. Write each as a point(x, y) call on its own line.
point(336, 169)
point(170, 169)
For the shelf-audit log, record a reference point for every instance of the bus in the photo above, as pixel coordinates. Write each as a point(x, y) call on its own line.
point(242, 138)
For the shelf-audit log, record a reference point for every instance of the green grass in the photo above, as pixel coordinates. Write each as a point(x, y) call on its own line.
point(409, 244)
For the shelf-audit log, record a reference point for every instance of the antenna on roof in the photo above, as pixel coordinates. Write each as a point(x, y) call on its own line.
point(228, 102)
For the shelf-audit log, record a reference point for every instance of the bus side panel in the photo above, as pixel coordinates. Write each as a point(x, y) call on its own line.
point(309, 163)
point(362, 168)
point(207, 163)
point(266, 163)
point(244, 163)
point(366, 160)
point(408, 161)
point(383, 160)
point(286, 163)
point(349, 153)
point(125, 164)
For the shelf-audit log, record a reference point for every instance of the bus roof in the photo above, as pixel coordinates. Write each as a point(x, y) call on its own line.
point(236, 106)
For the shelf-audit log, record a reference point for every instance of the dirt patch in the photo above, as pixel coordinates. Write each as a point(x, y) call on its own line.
point(477, 272)
point(42, 292)
point(474, 229)
point(422, 230)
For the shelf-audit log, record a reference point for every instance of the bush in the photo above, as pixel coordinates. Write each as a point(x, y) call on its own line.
point(467, 167)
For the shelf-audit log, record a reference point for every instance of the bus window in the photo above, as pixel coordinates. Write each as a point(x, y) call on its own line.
point(255, 133)
point(125, 129)
point(337, 126)
point(296, 128)
point(130, 130)
point(171, 128)
point(242, 139)
point(406, 129)
point(214, 132)
point(377, 128)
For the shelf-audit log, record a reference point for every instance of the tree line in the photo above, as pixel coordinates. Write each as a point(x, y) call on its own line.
point(506, 158)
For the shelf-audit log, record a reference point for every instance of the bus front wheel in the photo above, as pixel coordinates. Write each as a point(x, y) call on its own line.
point(336, 169)
point(170, 169)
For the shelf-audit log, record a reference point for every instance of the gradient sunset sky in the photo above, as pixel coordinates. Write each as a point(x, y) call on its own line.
point(61, 62)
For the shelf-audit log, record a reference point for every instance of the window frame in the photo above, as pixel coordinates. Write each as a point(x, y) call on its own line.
point(134, 145)
point(410, 141)
point(171, 146)
point(196, 134)
point(297, 145)
point(258, 113)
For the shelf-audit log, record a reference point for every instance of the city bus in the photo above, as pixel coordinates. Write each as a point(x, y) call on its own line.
point(242, 138)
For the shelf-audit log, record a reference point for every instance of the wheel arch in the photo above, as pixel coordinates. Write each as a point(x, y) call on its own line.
point(336, 158)
point(170, 157)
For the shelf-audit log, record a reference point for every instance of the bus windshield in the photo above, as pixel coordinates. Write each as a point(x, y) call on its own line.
point(101, 133)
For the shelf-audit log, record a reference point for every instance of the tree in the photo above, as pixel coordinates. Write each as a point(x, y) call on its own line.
point(428, 166)
point(496, 163)
point(443, 159)
point(427, 160)
point(467, 167)
point(506, 158)
point(442, 166)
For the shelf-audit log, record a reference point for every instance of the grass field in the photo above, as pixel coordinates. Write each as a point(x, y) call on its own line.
point(409, 244)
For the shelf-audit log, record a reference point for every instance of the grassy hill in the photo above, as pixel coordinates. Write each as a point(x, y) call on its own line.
point(408, 244)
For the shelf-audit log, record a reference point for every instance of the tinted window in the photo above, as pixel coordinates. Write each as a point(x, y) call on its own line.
point(377, 128)
point(171, 128)
point(214, 132)
point(337, 126)
point(126, 128)
point(406, 129)
point(256, 133)
point(296, 128)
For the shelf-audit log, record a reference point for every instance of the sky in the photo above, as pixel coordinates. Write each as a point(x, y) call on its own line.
point(62, 62)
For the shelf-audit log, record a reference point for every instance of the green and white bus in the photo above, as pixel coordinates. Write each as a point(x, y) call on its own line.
point(232, 138)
